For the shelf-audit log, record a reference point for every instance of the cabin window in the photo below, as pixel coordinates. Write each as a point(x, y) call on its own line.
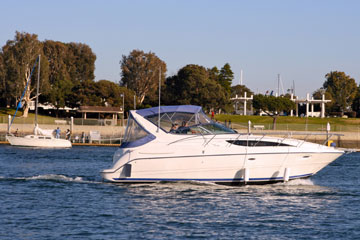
point(188, 123)
point(135, 134)
point(255, 143)
point(168, 119)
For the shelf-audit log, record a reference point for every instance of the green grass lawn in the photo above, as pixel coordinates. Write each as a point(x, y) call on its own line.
point(286, 120)
point(5, 112)
point(285, 123)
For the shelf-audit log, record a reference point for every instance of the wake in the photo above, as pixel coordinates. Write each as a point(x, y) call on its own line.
point(299, 182)
point(50, 177)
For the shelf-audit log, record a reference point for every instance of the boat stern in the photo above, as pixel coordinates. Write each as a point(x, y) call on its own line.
point(114, 175)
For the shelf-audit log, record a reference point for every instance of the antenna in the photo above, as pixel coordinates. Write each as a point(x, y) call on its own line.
point(278, 85)
point(37, 94)
point(294, 87)
point(159, 99)
point(282, 87)
point(241, 77)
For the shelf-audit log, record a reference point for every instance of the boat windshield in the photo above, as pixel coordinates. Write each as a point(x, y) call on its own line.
point(135, 134)
point(188, 123)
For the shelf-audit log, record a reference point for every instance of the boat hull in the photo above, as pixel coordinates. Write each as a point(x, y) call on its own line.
point(39, 141)
point(233, 169)
point(208, 152)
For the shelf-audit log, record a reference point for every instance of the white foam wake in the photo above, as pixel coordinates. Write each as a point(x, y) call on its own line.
point(55, 177)
point(300, 182)
point(51, 177)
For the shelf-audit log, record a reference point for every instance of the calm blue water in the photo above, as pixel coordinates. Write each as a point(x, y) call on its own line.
point(58, 194)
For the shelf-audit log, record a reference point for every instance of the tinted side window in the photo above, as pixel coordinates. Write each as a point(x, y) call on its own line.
point(254, 143)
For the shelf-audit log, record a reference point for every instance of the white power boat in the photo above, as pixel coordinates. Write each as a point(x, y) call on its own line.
point(41, 138)
point(203, 150)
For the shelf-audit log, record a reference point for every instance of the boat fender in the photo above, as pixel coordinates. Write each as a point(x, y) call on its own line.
point(246, 175)
point(286, 174)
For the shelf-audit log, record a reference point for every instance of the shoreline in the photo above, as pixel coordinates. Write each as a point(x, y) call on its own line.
point(110, 135)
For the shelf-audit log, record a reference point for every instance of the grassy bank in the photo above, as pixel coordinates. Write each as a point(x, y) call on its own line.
point(287, 120)
point(293, 123)
point(5, 112)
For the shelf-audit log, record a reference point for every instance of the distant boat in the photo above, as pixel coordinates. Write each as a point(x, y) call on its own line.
point(43, 141)
point(41, 138)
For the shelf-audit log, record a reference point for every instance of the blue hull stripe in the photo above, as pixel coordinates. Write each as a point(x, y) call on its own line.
point(210, 179)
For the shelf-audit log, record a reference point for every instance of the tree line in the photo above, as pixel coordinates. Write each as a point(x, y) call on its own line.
point(67, 79)
point(211, 87)
point(192, 84)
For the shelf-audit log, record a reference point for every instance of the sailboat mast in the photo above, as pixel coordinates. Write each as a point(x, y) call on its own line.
point(37, 94)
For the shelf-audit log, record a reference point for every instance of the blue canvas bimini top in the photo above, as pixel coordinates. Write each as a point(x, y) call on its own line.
point(165, 109)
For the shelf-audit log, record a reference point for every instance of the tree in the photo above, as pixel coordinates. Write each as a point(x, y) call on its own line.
point(225, 77)
point(111, 94)
point(85, 94)
point(19, 57)
point(220, 77)
point(59, 78)
point(240, 91)
point(3, 85)
point(72, 68)
point(356, 103)
point(342, 89)
point(192, 85)
point(214, 74)
point(272, 105)
point(80, 62)
point(101, 93)
point(65, 68)
point(140, 73)
point(318, 95)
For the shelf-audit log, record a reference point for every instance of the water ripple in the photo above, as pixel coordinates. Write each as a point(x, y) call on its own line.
point(54, 194)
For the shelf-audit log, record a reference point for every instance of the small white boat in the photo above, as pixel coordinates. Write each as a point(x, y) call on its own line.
point(41, 138)
point(42, 141)
point(203, 150)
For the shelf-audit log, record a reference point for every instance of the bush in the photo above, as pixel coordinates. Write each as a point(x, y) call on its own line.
point(351, 114)
point(336, 114)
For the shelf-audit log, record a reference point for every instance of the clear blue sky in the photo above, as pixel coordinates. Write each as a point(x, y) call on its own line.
point(301, 40)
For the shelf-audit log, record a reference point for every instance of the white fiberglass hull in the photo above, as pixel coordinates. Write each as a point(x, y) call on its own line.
point(262, 166)
point(39, 141)
point(207, 151)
